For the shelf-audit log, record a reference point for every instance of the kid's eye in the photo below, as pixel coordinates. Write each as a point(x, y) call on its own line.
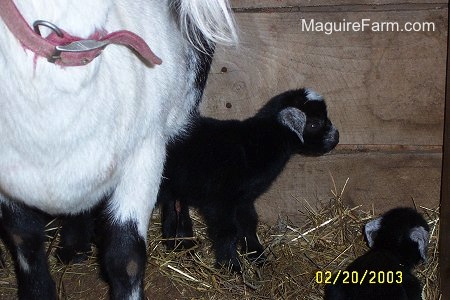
point(314, 124)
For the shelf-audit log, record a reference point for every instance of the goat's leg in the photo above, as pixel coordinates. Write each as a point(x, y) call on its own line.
point(223, 231)
point(168, 221)
point(123, 259)
point(24, 236)
point(247, 218)
point(76, 236)
point(176, 223)
point(184, 225)
point(127, 214)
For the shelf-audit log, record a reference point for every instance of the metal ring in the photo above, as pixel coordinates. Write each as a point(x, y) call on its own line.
point(49, 25)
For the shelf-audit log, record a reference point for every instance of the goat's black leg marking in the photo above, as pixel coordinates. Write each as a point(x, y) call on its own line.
point(123, 259)
point(24, 236)
point(76, 235)
point(247, 218)
point(223, 231)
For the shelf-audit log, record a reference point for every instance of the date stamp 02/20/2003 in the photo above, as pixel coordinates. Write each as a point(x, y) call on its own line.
point(355, 277)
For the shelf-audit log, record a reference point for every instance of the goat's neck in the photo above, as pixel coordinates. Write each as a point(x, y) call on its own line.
point(270, 145)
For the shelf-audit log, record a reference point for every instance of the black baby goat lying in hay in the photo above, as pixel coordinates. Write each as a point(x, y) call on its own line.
point(221, 167)
point(398, 241)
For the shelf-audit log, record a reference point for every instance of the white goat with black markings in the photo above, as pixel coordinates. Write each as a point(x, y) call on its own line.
point(398, 241)
point(78, 126)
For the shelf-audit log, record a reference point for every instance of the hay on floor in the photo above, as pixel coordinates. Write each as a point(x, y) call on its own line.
point(329, 238)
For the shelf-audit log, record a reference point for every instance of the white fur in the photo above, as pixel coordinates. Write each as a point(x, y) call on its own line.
point(221, 30)
point(71, 135)
point(23, 262)
point(135, 294)
point(313, 95)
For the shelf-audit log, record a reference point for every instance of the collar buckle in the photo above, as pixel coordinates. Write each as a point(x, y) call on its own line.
point(74, 47)
point(47, 24)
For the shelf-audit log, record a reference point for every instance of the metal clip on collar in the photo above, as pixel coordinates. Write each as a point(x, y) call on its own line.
point(76, 46)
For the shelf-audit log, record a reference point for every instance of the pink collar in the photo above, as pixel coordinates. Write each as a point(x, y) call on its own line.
point(64, 49)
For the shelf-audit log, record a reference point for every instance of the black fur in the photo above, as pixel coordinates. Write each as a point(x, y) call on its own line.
point(221, 167)
point(76, 236)
point(122, 250)
point(23, 234)
point(123, 258)
point(392, 250)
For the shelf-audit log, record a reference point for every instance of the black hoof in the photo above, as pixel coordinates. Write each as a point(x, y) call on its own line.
point(180, 244)
point(257, 259)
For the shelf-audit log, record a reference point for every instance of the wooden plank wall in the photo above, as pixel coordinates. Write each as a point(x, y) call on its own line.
point(444, 213)
point(385, 93)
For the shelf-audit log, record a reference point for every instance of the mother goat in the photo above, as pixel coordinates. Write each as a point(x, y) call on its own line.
point(80, 119)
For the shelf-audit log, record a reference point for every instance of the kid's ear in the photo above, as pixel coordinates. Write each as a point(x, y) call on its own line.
point(294, 119)
point(420, 236)
point(371, 230)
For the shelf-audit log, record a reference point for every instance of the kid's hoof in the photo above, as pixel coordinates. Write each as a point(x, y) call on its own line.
point(257, 258)
point(180, 244)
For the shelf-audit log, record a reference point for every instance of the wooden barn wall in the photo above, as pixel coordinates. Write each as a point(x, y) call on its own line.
point(384, 90)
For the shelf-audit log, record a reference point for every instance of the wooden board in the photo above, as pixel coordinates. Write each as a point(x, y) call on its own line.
point(385, 93)
point(444, 213)
point(384, 180)
point(352, 4)
point(384, 88)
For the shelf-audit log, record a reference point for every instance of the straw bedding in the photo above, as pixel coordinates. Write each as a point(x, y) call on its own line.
point(328, 239)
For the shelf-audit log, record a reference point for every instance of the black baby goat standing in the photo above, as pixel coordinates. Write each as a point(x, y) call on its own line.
point(398, 241)
point(221, 167)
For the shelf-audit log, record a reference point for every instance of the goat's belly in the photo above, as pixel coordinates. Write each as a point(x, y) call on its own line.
point(67, 137)
point(73, 184)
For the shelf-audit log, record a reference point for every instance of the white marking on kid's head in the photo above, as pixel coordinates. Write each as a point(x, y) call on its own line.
point(371, 229)
point(420, 236)
point(312, 95)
